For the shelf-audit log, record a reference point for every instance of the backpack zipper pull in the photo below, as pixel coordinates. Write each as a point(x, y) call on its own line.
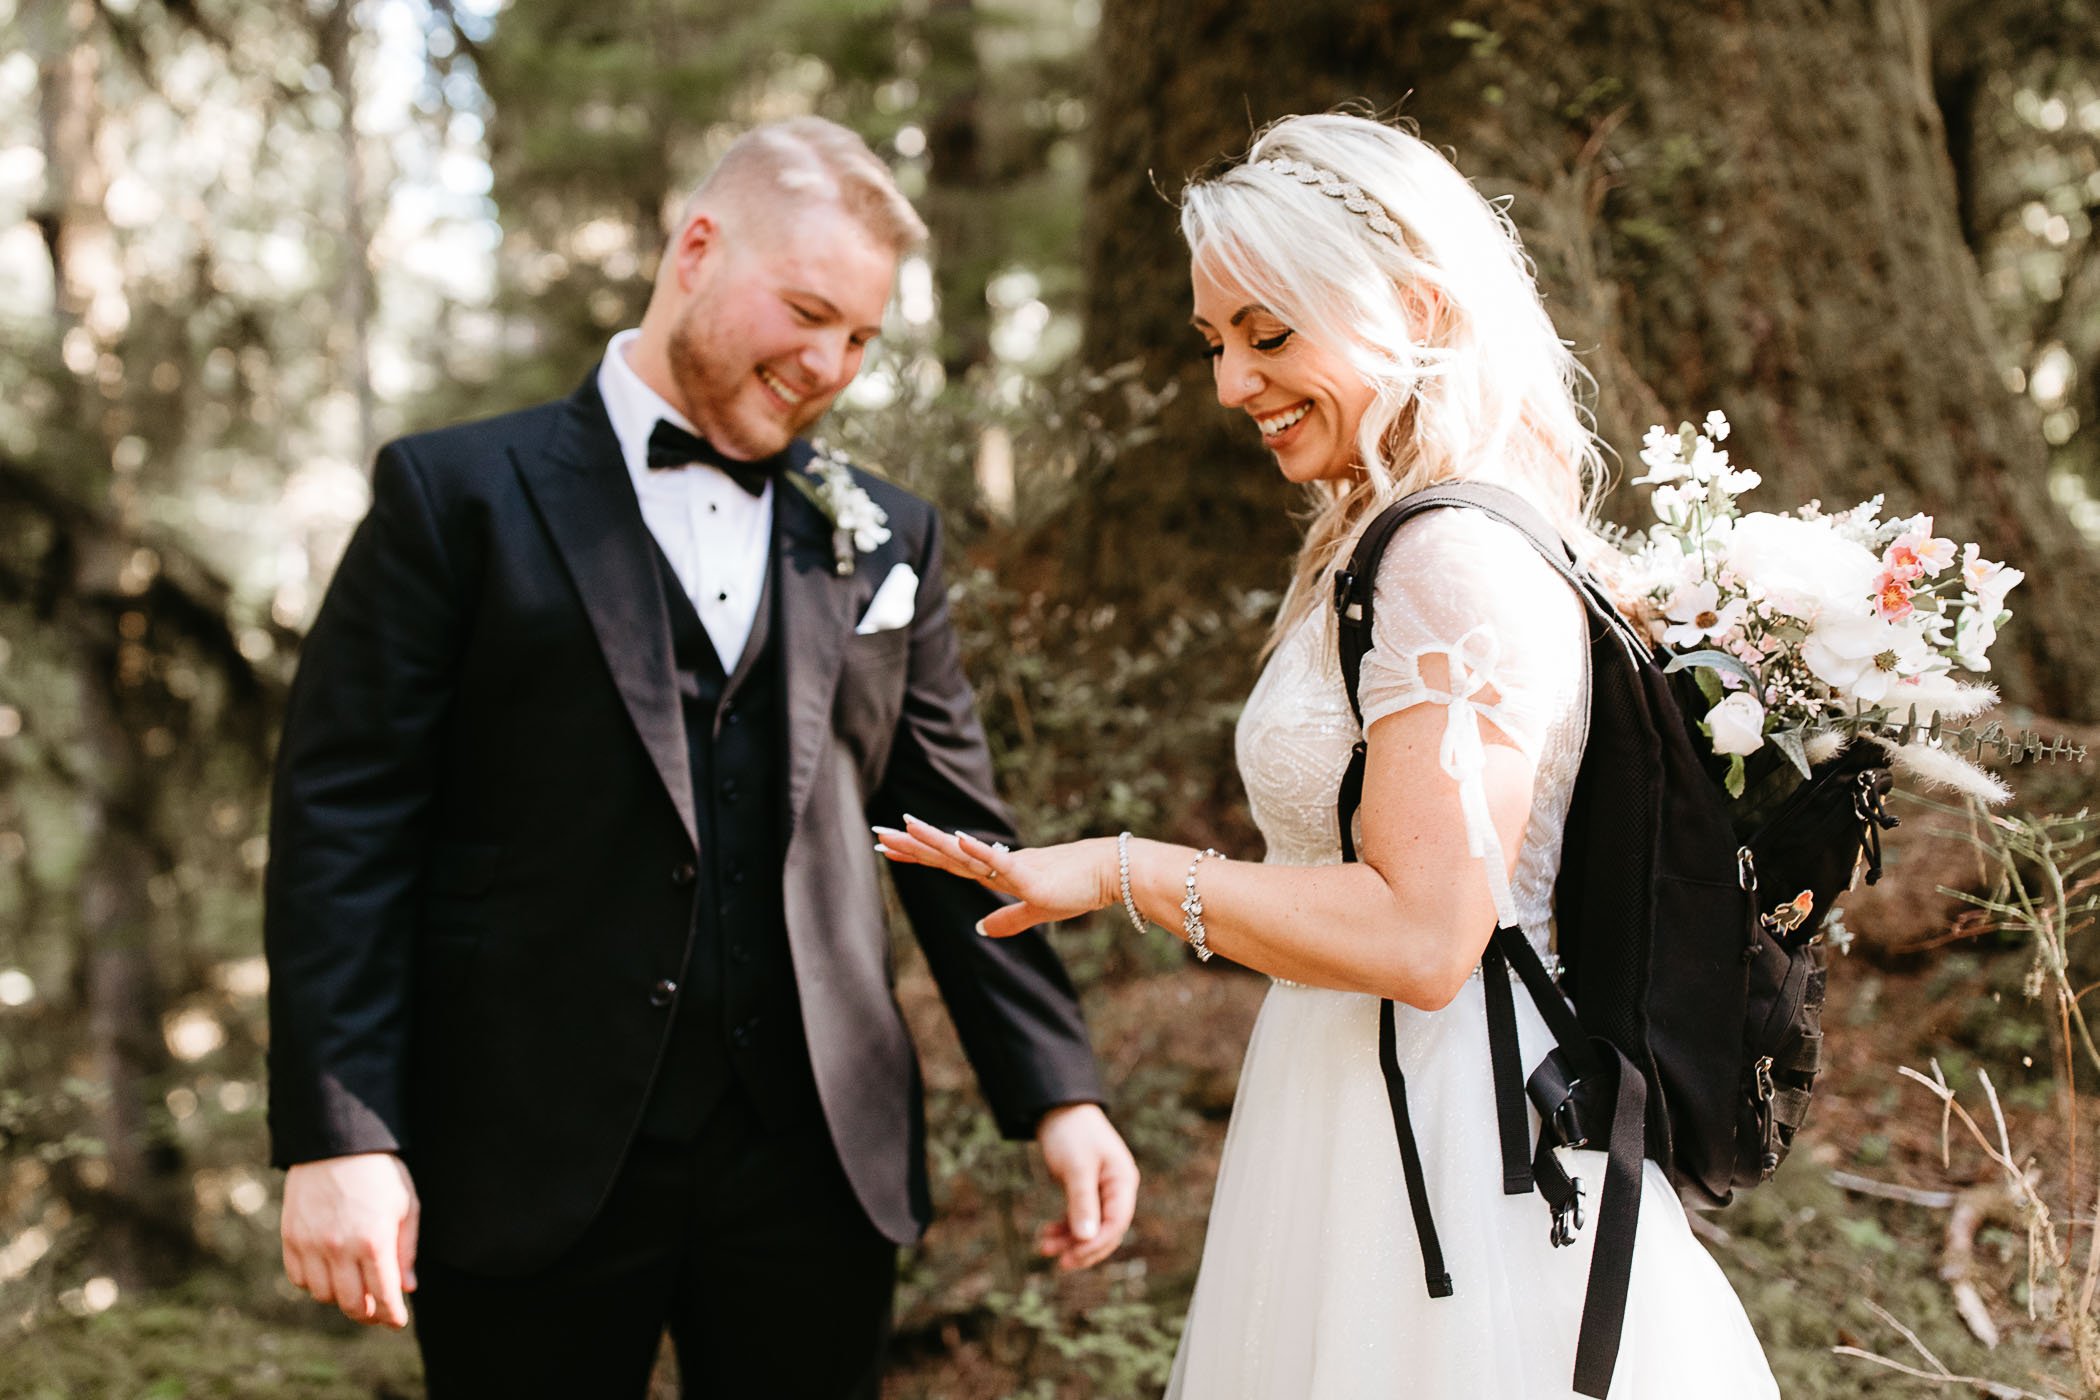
point(1874, 817)
point(1767, 1123)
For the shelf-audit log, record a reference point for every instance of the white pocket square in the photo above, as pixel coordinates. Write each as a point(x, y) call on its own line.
point(893, 603)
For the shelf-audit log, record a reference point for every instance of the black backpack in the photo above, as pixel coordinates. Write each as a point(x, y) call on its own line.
point(1687, 926)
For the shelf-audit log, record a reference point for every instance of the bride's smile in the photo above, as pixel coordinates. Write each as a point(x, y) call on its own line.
point(1306, 401)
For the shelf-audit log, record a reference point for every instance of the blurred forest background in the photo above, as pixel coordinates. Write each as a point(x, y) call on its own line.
point(242, 243)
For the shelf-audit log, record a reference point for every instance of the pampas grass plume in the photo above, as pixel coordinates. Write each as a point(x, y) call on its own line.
point(1936, 769)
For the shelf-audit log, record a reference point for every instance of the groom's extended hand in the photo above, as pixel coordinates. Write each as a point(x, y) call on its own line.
point(349, 1234)
point(1086, 1155)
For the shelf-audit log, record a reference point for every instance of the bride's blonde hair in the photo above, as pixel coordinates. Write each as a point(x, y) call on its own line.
point(1433, 304)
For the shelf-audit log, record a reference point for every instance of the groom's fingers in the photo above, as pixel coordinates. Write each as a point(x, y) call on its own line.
point(1119, 1184)
point(1083, 1199)
point(411, 1225)
point(347, 1285)
point(382, 1280)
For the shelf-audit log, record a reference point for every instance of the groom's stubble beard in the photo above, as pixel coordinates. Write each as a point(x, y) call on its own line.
point(723, 398)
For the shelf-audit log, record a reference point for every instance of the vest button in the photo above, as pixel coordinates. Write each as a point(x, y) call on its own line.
point(684, 873)
point(736, 874)
point(729, 790)
point(731, 714)
point(662, 992)
point(739, 953)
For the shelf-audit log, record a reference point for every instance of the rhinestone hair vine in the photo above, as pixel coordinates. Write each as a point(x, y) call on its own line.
point(1328, 183)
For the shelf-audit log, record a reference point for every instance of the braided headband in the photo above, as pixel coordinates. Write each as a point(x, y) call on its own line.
point(1328, 183)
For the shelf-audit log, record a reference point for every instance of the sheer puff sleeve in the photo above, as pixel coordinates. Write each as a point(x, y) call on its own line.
point(1467, 616)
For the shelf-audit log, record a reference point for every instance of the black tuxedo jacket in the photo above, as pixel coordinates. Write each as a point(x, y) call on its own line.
point(482, 836)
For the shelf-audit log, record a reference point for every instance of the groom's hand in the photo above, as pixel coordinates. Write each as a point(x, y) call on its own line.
point(349, 1234)
point(1086, 1155)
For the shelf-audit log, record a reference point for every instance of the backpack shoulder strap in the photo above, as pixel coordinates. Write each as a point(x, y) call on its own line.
point(1357, 581)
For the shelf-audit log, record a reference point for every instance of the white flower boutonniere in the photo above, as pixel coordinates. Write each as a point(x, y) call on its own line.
point(857, 523)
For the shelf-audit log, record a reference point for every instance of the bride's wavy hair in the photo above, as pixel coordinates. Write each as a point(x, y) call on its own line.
point(1436, 309)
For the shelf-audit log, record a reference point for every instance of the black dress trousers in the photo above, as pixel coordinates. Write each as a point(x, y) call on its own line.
point(748, 1244)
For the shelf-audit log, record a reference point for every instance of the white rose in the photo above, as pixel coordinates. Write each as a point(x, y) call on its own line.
point(1737, 724)
point(1803, 567)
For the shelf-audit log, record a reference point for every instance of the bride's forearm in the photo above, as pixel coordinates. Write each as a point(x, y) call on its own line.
point(1340, 926)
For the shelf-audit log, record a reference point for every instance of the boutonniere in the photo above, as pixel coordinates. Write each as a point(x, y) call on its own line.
point(857, 523)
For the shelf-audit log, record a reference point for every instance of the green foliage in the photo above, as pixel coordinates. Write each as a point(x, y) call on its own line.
point(1122, 1347)
point(208, 1341)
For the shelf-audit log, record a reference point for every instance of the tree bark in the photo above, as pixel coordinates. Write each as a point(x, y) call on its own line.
point(140, 1204)
point(1744, 208)
point(335, 36)
point(964, 244)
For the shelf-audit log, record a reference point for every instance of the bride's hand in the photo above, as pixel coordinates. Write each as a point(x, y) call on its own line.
point(1052, 882)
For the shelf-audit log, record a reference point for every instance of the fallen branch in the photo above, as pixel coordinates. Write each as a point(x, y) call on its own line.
point(1939, 1374)
point(1890, 1191)
point(1958, 1260)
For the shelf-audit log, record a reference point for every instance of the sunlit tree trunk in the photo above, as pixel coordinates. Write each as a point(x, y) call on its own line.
point(135, 1191)
point(964, 240)
point(336, 38)
point(1751, 209)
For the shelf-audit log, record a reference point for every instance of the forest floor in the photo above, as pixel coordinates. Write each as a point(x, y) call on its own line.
point(979, 1318)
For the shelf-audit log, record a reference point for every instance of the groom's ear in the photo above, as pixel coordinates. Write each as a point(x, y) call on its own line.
point(697, 239)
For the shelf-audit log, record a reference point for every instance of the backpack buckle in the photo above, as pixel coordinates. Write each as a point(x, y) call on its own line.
point(1567, 1217)
point(1552, 1091)
point(1344, 591)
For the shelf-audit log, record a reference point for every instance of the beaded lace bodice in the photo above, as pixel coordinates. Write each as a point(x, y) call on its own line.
point(1466, 616)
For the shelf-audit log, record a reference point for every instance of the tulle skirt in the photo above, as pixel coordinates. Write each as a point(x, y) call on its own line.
point(1311, 1282)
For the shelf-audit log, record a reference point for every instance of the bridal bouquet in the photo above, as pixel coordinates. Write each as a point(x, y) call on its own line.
point(1808, 627)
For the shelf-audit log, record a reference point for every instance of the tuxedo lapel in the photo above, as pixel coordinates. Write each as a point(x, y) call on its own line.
point(814, 623)
point(578, 481)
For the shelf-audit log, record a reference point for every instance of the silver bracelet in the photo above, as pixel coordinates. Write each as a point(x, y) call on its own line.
point(1137, 920)
point(1192, 908)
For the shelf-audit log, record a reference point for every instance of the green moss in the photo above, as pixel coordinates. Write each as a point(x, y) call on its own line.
point(195, 1348)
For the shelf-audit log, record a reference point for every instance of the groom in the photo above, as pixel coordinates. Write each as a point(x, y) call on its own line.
point(581, 1020)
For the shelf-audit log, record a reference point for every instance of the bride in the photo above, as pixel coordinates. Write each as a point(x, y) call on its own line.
point(1375, 318)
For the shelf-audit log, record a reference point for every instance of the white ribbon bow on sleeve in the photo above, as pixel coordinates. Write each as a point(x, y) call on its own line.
point(1462, 754)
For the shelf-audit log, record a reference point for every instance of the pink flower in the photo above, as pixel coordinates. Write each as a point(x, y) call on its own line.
point(1892, 596)
point(1919, 551)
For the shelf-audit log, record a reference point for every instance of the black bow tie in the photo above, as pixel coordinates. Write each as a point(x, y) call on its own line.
point(672, 447)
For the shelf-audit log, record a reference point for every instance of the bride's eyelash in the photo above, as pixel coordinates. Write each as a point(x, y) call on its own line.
point(1267, 346)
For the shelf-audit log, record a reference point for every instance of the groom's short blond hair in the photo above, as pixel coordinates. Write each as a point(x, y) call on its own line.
point(773, 169)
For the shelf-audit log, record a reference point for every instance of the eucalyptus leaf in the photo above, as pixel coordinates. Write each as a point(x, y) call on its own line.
point(1789, 742)
point(1714, 661)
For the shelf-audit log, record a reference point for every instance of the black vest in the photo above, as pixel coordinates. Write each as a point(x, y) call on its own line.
point(736, 1019)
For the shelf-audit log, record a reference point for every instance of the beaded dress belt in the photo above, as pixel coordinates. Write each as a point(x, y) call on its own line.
point(1550, 960)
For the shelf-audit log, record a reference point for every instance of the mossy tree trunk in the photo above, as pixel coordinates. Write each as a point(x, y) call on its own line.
point(1744, 208)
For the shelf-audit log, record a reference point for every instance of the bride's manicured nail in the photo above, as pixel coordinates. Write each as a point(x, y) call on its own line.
point(980, 930)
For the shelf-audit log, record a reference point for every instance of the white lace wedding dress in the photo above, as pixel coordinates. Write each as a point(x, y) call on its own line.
point(1311, 1284)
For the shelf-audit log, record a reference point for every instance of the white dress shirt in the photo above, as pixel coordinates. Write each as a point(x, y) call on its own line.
point(715, 534)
